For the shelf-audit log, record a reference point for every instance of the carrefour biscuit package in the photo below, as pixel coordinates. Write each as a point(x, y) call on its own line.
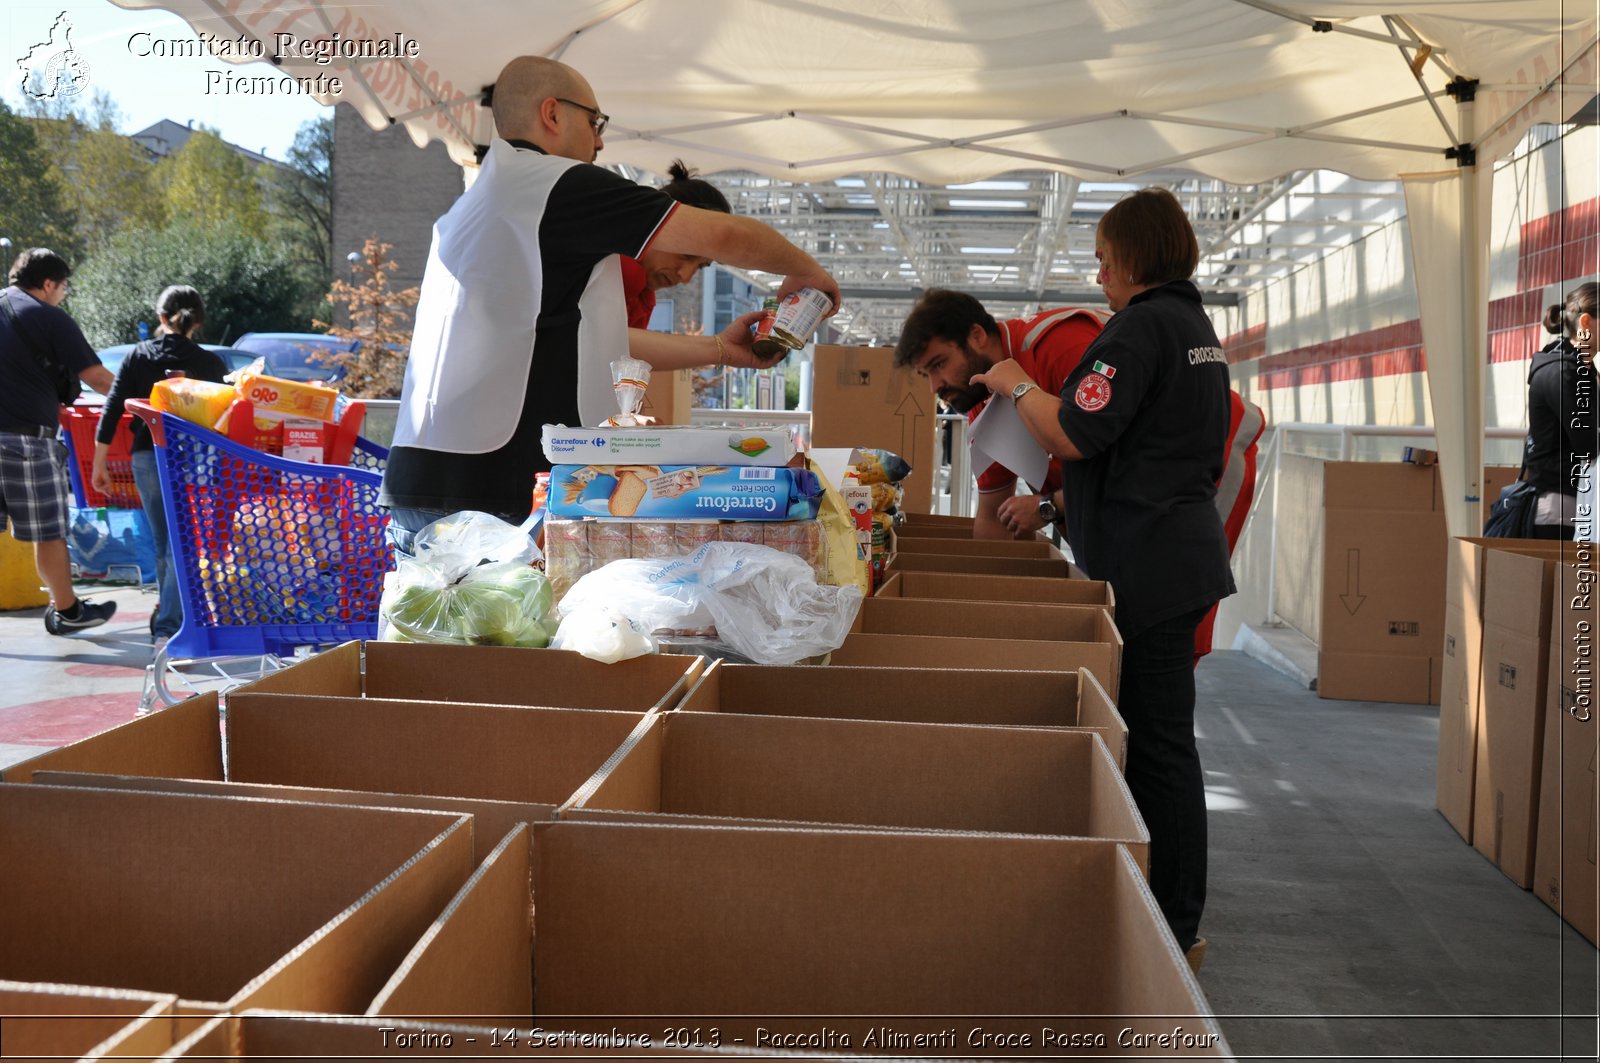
point(768, 446)
point(576, 548)
point(677, 492)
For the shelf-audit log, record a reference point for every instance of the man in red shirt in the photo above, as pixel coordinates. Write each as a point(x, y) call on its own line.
point(949, 338)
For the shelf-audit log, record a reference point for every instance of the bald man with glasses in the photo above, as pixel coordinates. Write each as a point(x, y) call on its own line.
point(522, 304)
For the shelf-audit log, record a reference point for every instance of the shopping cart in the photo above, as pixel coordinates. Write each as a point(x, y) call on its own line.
point(79, 425)
point(272, 555)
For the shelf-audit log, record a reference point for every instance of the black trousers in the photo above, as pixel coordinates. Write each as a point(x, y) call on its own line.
point(1157, 702)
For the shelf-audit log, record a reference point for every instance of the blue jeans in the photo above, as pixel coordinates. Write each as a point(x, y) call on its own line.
point(405, 522)
point(169, 607)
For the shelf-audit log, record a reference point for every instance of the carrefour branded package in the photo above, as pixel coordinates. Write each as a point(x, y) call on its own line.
point(677, 492)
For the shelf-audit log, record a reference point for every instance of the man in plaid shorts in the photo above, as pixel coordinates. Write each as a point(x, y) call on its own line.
point(41, 350)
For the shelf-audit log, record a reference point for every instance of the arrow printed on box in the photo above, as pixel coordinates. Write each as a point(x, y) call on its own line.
point(1352, 596)
point(908, 427)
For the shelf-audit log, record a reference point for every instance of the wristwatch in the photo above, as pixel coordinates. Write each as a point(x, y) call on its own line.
point(1022, 389)
point(1047, 510)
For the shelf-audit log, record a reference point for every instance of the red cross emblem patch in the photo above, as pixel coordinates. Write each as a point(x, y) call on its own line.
point(1094, 393)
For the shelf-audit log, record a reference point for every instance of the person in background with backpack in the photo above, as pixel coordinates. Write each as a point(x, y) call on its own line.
point(43, 357)
point(1561, 421)
point(173, 352)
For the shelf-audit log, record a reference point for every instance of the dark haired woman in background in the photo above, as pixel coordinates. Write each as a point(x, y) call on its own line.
point(654, 270)
point(1143, 424)
point(172, 352)
point(1561, 422)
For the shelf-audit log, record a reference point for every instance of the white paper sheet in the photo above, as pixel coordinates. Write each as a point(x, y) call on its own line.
point(998, 435)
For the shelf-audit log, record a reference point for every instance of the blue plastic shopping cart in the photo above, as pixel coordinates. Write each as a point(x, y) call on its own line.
point(272, 555)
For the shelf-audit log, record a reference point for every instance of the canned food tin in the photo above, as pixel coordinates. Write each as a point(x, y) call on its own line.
point(762, 342)
point(799, 315)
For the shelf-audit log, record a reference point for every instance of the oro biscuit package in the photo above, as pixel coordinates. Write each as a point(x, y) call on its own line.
point(680, 492)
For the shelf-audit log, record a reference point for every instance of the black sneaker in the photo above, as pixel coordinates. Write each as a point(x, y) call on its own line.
point(90, 614)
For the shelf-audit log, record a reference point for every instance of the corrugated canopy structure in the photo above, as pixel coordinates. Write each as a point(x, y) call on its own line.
point(1087, 95)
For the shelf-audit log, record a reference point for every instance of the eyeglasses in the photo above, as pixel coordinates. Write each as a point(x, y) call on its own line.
point(597, 118)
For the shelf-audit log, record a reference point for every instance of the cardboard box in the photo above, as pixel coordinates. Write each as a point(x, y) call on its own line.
point(937, 531)
point(1007, 548)
point(1566, 869)
point(779, 770)
point(673, 444)
point(1516, 651)
point(1383, 572)
point(183, 741)
point(870, 650)
point(859, 399)
point(241, 902)
point(859, 932)
point(1071, 699)
point(669, 397)
point(532, 759)
point(920, 523)
point(1051, 568)
point(1461, 672)
point(998, 620)
point(957, 587)
point(81, 1022)
point(489, 675)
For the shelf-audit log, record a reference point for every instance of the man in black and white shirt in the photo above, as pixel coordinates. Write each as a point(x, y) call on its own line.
point(39, 343)
point(522, 309)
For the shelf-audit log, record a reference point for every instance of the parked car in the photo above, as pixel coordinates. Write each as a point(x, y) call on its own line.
point(111, 358)
point(289, 354)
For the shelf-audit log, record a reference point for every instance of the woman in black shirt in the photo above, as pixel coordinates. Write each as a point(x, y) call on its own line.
point(1561, 423)
point(173, 352)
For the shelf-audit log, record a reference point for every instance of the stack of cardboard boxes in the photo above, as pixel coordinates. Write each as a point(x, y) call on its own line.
point(1517, 735)
point(907, 858)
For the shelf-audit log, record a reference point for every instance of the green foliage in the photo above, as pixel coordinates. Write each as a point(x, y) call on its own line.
point(107, 179)
point(209, 182)
point(300, 209)
point(34, 211)
point(247, 285)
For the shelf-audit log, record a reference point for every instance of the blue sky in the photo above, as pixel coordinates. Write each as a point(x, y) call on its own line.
point(148, 88)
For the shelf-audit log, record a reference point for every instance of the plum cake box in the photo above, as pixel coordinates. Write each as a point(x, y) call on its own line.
point(661, 445)
point(682, 492)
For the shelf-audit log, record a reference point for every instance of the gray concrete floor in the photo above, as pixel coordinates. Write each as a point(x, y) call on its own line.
point(1346, 919)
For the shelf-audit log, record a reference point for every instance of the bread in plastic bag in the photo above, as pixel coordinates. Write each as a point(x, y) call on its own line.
point(603, 634)
point(471, 583)
point(763, 604)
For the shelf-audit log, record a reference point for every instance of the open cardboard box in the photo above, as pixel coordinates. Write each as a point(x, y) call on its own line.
point(1051, 567)
point(490, 675)
point(1071, 699)
point(917, 523)
point(81, 1022)
point(1010, 548)
point(1566, 862)
point(502, 764)
point(230, 902)
point(977, 588)
point(863, 934)
point(998, 620)
point(700, 767)
point(867, 650)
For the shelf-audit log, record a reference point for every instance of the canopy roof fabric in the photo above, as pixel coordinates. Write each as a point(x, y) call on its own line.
point(947, 91)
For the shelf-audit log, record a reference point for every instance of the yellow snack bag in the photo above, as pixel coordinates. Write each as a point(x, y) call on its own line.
point(279, 398)
point(199, 401)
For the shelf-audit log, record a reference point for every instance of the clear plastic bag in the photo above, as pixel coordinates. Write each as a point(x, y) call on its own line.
point(472, 582)
point(761, 603)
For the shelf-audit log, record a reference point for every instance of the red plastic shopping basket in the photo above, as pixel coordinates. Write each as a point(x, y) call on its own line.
point(79, 424)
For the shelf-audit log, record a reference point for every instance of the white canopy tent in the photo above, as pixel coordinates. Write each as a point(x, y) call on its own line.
point(947, 91)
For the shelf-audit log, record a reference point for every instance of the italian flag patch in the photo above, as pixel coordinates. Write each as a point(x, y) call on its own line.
point(1106, 370)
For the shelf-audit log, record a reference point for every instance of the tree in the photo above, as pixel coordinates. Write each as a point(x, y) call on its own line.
point(107, 178)
point(381, 317)
point(247, 285)
point(301, 196)
point(33, 209)
point(215, 186)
